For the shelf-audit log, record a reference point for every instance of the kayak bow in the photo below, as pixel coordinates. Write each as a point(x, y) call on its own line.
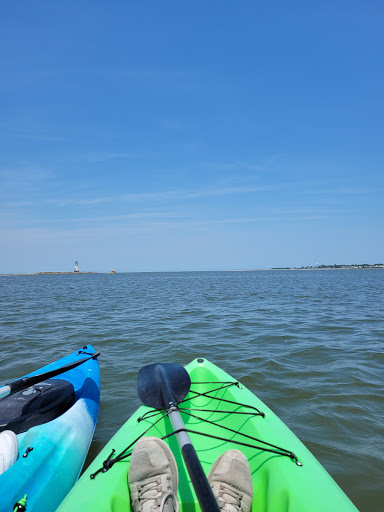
point(219, 413)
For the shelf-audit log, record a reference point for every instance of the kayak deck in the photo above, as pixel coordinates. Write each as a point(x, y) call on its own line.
point(219, 413)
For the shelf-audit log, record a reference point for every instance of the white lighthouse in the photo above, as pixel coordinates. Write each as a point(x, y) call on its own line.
point(76, 267)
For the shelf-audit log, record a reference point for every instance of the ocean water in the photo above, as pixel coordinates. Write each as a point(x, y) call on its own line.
point(309, 343)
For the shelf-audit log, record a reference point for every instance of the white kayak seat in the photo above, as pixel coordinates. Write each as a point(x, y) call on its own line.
point(9, 450)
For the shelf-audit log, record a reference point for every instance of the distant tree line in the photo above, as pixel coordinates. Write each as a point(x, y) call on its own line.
point(354, 265)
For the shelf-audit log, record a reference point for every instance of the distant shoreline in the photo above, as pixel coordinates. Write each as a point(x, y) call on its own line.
point(320, 267)
point(304, 268)
point(334, 267)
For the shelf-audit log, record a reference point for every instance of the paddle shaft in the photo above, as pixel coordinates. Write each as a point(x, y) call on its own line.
point(199, 481)
point(26, 382)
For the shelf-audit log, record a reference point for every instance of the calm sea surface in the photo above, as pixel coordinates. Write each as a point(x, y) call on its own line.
point(310, 344)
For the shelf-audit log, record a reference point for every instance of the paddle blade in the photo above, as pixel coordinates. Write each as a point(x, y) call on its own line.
point(162, 385)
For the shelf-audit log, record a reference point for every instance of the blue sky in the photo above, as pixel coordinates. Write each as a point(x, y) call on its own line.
point(156, 136)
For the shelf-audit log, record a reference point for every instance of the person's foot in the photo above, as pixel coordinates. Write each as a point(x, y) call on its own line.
point(231, 481)
point(153, 477)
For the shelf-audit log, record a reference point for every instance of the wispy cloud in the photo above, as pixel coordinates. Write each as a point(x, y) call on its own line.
point(106, 156)
point(23, 78)
point(334, 190)
point(38, 137)
point(163, 195)
point(243, 165)
point(226, 191)
point(68, 201)
point(122, 198)
point(135, 216)
point(25, 176)
point(149, 224)
point(359, 191)
point(17, 204)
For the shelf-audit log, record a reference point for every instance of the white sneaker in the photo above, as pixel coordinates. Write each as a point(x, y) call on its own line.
point(153, 477)
point(231, 481)
point(9, 450)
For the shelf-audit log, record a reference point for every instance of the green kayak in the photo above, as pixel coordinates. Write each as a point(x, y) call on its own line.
point(219, 413)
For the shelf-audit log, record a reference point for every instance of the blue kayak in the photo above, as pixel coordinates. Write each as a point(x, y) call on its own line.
point(54, 421)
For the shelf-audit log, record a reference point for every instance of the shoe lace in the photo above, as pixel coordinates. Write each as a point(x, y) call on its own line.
point(229, 499)
point(151, 490)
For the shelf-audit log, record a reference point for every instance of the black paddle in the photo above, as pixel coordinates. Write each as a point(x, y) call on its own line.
point(26, 382)
point(164, 386)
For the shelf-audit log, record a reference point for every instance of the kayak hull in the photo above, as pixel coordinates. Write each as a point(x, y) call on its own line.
point(280, 482)
point(59, 447)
